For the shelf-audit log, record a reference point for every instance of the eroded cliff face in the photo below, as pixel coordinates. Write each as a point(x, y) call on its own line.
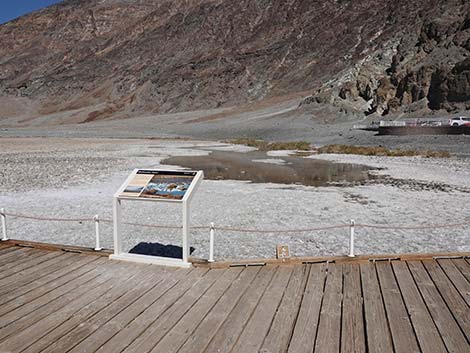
point(424, 67)
point(103, 58)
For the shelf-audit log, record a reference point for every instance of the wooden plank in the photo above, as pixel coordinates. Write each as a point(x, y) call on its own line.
point(19, 255)
point(135, 319)
point(32, 259)
point(353, 338)
point(175, 338)
point(329, 328)
point(4, 245)
point(21, 339)
point(403, 336)
point(450, 331)
point(420, 303)
point(463, 266)
point(26, 265)
point(28, 302)
point(360, 259)
point(111, 328)
point(228, 333)
point(30, 312)
point(257, 327)
point(92, 317)
point(70, 332)
point(428, 336)
point(59, 247)
point(377, 330)
point(305, 329)
point(452, 297)
point(7, 251)
point(458, 279)
point(4, 249)
point(155, 332)
point(200, 338)
point(12, 254)
point(27, 276)
point(47, 282)
point(15, 323)
point(277, 339)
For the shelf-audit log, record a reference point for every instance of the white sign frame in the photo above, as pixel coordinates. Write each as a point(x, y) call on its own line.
point(185, 202)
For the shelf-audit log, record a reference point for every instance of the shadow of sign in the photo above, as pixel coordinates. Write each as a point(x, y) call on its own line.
point(158, 249)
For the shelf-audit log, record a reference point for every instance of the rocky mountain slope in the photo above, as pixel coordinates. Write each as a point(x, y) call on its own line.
point(425, 67)
point(97, 59)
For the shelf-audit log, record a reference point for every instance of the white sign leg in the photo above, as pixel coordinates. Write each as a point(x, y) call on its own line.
point(185, 231)
point(117, 226)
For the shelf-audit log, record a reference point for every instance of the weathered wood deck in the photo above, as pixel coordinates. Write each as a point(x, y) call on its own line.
point(52, 301)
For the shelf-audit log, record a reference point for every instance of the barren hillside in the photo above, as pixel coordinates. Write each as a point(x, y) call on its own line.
point(118, 58)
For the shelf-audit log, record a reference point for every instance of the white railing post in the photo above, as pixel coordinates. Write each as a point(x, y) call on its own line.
point(351, 238)
point(4, 224)
point(211, 243)
point(97, 233)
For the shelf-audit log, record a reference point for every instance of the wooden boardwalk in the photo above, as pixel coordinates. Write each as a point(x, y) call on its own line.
point(53, 301)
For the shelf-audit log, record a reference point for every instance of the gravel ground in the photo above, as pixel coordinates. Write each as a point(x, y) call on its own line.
point(279, 122)
point(76, 177)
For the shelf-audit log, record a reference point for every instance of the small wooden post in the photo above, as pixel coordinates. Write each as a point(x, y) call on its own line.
point(282, 252)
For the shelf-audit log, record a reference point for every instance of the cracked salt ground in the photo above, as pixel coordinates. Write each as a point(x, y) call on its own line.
point(233, 203)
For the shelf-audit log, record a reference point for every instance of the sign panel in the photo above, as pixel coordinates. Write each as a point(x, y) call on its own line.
point(158, 184)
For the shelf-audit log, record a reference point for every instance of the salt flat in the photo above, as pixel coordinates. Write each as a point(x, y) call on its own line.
point(76, 177)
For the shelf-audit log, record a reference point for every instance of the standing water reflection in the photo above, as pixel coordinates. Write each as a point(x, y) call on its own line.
point(258, 167)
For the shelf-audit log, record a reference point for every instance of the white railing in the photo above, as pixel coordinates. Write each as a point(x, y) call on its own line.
point(352, 225)
point(4, 224)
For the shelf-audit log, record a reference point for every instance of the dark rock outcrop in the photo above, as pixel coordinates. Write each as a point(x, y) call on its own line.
point(424, 67)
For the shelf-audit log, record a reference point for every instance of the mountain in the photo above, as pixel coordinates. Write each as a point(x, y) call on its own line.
point(96, 59)
point(425, 67)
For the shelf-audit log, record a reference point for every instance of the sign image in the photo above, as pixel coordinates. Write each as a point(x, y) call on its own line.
point(159, 184)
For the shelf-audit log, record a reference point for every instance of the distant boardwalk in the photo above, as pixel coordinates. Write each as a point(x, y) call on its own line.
point(424, 130)
point(54, 301)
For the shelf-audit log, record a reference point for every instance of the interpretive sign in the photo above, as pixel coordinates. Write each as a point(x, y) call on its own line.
point(157, 186)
